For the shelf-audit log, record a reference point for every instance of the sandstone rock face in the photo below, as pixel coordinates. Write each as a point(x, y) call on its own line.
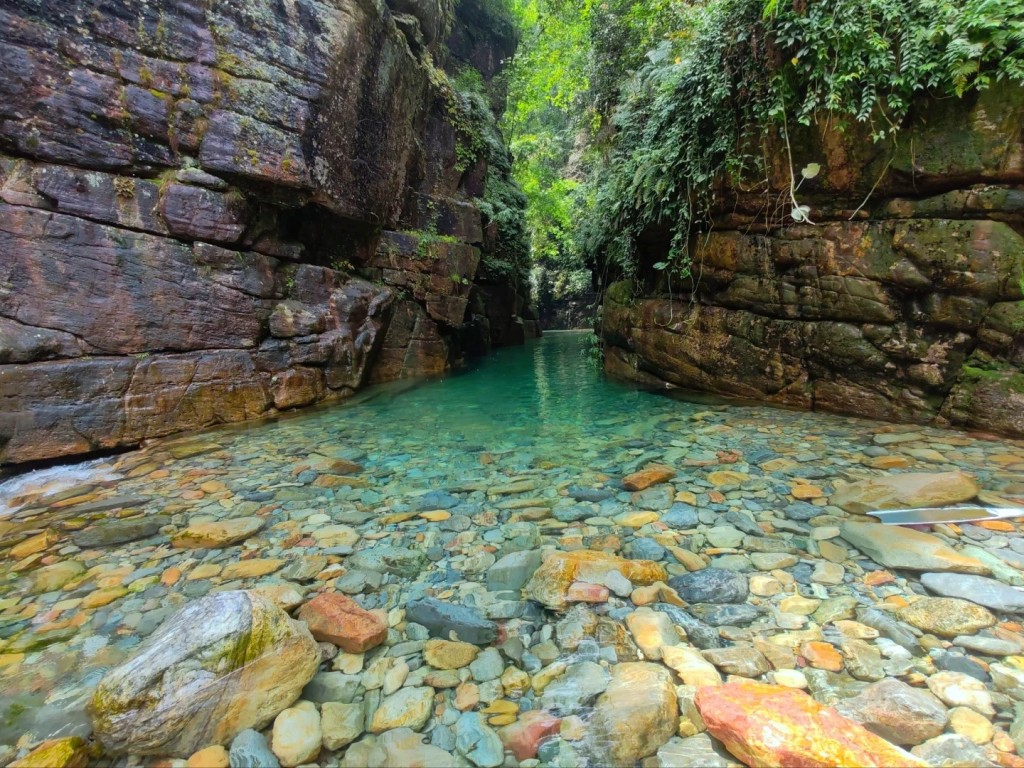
point(909, 312)
point(766, 725)
point(210, 186)
point(191, 683)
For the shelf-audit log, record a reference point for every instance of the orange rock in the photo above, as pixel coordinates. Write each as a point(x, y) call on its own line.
point(340, 620)
point(552, 580)
point(802, 491)
point(645, 478)
point(769, 725)
point(170, 576)
point(996, 525)
point(878, 578)
point(717, 497)
point(822, 655)
point(525, 736)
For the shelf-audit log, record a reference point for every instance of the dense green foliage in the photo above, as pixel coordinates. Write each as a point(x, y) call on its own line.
point(651, 102)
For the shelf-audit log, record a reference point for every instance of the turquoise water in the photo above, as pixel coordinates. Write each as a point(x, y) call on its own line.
point(502, 447)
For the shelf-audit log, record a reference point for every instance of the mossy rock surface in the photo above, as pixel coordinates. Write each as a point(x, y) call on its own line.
point(227, 662)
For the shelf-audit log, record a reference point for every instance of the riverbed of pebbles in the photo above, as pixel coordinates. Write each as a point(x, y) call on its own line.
point(565, 596)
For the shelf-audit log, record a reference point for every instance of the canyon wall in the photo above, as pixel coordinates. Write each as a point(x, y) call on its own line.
point(211, 211)
point(908, 308)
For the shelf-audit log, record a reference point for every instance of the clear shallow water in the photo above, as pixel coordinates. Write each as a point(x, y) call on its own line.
point(540, 419)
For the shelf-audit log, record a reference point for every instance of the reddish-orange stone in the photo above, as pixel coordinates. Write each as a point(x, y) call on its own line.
point(822, 655)
point(645, 478)
point(582, 592)
point(525, 735)
point(769, 725)
point(340, 620)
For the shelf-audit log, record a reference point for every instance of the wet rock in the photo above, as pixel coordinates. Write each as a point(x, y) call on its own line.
point(50, 578)
point(711, 585)
point(952, 751)
point(897, 712)
point(741, 659)
point(297, 737)
point(652, 631)
point(215, 535)
point(697, 751)
point(384, 559)
point(690, 665)
point(513, 570)
point(576, 688)
point(681, 516)
point(906, 491)
point(441, 618)
point(726, 615)
point(341, 724)
point(191, 683)
point(211, 757)
point(771, 725)
point(407, 708)
point(969, 724)
point(446, 654)
point(898, 547)
point(487, 666)
point(889, 627)
point(645, 478)
point(477, 742)
point(116, 532)
point(697, 632)
point(987, 646)
point(551, 582)
point(959, 690)
point(249, 750)
point(946, 616)
point(978, 589)
point(525, 735)
point(636, 715)
point(957, 662)
point(340, 620)
point(71, 752)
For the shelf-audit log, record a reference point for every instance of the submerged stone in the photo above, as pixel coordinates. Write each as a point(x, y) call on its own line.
point(191, 684)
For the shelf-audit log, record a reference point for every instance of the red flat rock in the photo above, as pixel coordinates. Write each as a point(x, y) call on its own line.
point(340, 620)
point(769, 725)
point(525, 735)
point(645, 478)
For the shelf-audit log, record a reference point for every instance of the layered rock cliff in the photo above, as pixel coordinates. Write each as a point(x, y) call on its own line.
point(908, 308)
point(210, 211)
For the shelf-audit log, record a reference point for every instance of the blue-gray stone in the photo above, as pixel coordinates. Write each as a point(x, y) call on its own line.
point(477, 742)
point(697, 632)
point(728, 615)
point(249, 750)
point(644, 549)
point(589, 494)
point(573, 513)
point(437, 500)
point(681, 515)
point(441, 618)
point(513, 571)
point(801, 511)
point(711, 585)
point(488, 665)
